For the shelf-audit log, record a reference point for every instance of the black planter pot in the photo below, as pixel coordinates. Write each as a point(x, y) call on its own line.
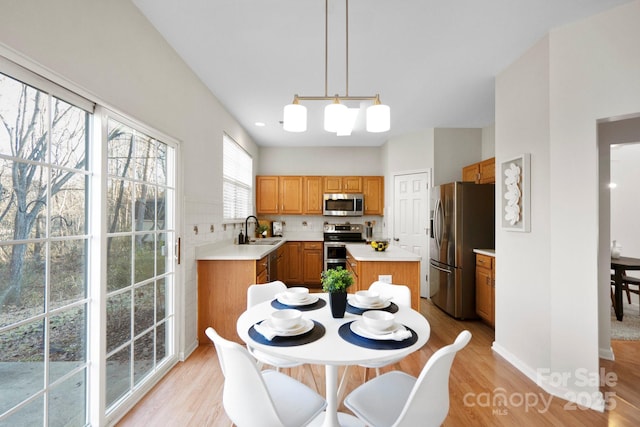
point(338, 303)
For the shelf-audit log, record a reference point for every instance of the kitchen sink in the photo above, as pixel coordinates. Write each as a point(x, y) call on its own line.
point(269, 242)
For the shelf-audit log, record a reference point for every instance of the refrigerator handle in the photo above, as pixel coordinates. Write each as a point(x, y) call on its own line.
point(437, 226)
point(444, 270)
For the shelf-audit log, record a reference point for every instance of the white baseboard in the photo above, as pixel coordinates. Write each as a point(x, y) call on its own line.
point(606, 353)
point(183, 355)
point(595, 402)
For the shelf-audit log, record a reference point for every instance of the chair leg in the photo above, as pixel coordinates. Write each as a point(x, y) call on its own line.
point(366, 375)
point(313, 377)
point(343, 382)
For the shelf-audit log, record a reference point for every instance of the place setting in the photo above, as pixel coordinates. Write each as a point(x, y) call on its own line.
point(298, 297)
point(286, 327)
point(379, 330)
point(362, 301)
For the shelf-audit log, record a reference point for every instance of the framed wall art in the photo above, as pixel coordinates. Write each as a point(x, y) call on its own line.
point(515, 214)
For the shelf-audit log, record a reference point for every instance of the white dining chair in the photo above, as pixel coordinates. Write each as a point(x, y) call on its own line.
point(397, 399)
point(257, 294)
point(401, 296)
point(261, 398)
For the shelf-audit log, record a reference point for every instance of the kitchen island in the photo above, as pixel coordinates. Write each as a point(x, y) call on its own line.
point(401, 267)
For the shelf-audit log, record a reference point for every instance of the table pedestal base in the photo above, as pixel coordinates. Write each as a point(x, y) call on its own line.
point(344, 420)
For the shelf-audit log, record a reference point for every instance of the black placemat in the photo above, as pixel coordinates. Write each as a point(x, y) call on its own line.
point(392, 308)
point(348, 335)
point(314, 334)
point(314, 306)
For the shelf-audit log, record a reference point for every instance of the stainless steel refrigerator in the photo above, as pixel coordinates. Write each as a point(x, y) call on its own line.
point(462, 219)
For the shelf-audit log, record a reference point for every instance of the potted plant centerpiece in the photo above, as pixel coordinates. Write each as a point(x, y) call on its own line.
point(335, 281)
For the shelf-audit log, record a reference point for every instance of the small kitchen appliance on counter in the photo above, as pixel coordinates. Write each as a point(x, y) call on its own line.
point(276, 228)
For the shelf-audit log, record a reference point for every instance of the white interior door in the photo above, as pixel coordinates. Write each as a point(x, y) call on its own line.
point(411, 218)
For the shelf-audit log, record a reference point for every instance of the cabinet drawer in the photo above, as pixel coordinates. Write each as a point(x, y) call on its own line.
point(484, 261)
point(312, 245)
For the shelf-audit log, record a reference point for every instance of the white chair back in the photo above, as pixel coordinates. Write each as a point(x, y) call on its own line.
point(269, 398)
point(264, 292)
point(428, 403)
point(400, 294)
point(245, 397)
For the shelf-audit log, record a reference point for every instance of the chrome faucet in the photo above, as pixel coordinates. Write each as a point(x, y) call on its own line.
point(246, 227)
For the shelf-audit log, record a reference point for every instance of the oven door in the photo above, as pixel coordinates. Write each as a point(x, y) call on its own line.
point(335, 254)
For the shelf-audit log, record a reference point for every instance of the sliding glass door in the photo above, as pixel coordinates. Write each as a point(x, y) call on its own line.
point(87, 266)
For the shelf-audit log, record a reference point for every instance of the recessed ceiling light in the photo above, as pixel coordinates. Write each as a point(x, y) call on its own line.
point(260, 124)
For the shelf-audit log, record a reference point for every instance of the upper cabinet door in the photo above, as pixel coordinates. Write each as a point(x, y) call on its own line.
point(343, 184)
point(267, 195)
point(373, 191)
point(312, 195)
point(332, 184)
point(291, 195)
point(352, 184)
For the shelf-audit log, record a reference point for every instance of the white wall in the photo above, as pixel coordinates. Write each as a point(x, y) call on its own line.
point(454, 149)
point(108, 51)
point(588, 71)
point(522, 259)
point(320, 161)
point(488, 141)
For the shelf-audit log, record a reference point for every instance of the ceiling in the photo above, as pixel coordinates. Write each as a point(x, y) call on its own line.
point(433, 62)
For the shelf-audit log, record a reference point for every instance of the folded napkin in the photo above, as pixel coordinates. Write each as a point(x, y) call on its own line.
point(265, 331)
point(401, 334)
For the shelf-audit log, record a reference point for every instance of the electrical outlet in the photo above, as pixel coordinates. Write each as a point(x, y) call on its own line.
point(386, 278)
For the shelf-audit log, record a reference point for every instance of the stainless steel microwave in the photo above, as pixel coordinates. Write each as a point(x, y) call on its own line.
point(344, 204)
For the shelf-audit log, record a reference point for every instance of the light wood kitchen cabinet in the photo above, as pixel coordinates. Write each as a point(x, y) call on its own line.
point(267, 190)
point(483, 172)
point(312, 195)
point(488, 171)
point(222, 293)
point(262, 274)
point(293, 262)
point(303, 195)
point(343, 184)
point(303, 264)
point(279, 195)
point(373, 192)
point(290, 195)
point(312, 263)
point(485, 288)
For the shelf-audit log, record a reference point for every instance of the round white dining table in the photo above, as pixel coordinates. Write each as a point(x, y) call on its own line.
point(331, 350)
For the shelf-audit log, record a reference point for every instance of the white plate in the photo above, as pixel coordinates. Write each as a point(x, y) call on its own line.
point(358, 327)
point(282, 298)
point(382, 304)
point(305, 326)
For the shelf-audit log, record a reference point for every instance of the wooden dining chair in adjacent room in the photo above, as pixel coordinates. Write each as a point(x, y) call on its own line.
point(631, 285)
point(401, 296)
point(261, 398)
point(257, 294)
point(398, 399)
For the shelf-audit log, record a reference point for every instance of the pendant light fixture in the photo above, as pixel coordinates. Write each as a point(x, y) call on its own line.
point(337, 117)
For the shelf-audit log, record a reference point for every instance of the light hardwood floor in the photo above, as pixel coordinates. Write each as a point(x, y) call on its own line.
point(191, 394)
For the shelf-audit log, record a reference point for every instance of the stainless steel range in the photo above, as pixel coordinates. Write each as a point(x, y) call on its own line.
point(336, 237)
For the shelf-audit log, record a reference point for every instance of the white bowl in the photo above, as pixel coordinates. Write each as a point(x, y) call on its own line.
point(286, 319)
point(378, 320)
point(367, 297)
point(297, 294)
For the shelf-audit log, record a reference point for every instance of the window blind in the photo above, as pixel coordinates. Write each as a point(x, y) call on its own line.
point(237, 179)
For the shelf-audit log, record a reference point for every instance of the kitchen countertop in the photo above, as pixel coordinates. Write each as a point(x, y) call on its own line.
point(227, 251)
point(364, 252)
point(488, 252)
